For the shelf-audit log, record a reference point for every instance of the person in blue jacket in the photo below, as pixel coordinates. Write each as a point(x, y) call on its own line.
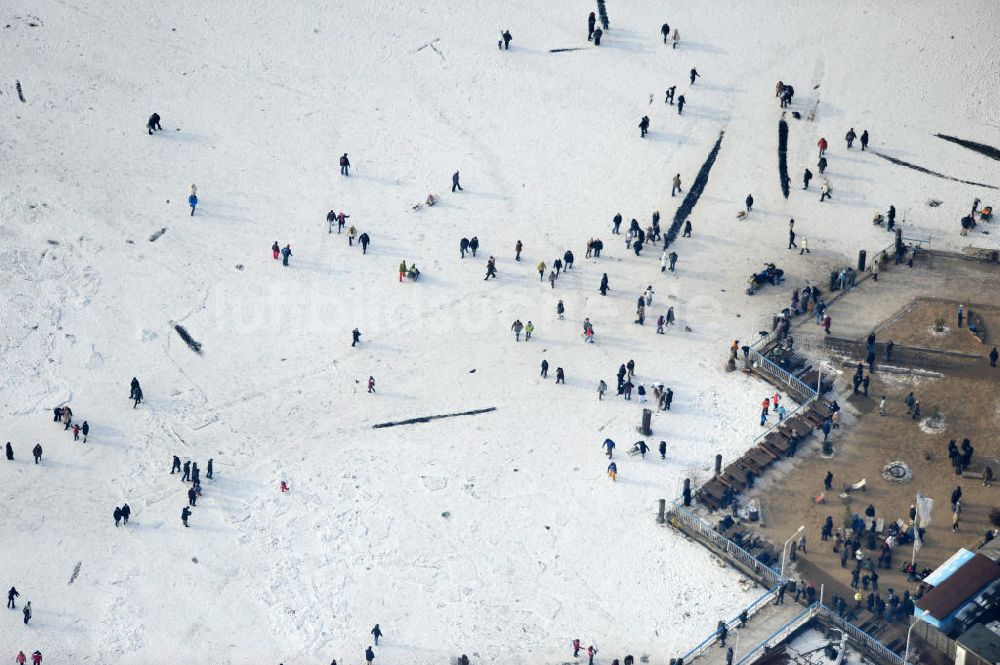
point(286, 251)
point(610, 445)
point(613, 471)
point(193, 202)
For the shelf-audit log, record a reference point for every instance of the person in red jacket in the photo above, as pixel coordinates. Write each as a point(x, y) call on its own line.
point(20, 658)
point(36, 658)
point(822, 146)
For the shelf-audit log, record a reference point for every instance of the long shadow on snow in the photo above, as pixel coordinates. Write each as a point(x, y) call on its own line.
point(900, 162)
point(783, 155)
point(694, 192)
point(981, 148)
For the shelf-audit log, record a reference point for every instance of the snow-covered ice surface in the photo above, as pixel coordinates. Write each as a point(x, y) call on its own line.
point(258, 100)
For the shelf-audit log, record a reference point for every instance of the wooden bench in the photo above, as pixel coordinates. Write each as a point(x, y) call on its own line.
point(756, 459)
point(776, 443)
point(798, 423)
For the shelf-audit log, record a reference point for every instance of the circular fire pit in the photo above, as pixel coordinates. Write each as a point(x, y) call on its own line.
point(897, 471)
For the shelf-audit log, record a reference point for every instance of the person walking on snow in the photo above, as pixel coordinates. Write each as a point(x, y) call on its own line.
point(676, 38)
point(153, 124)
point(20, 658)
point(36, 657)
point(541, 270)
point(176, 466)
point(681, 101)
point(491, 268)
point(355, 337)
point(11, 595)
point(749, 202)
point(528, 329)
point(849, 137)
point(185, 514)
point(669, 99)
point(822, 144)
point(376, 633)
point(602, 388)
point(364, 240)
point(286, 252)
point(117, 515)
point(369, 655)
point(26, 610)
point(37, 452)
point(673, 261)
point(9, 450)
point(613, 472)
point(506, 36)
point(545, 369)
point(371, 385)
point(275, 250)
point(864, 140)
point(675, 185)
point(454, 185)
point(806, 177)
point(643, 126)
point(402, 269)
point(665, 31)
point(126, 513)
point(517, 327)
point(609, 447)
point(517, 250)
point(591, 22)
point(824, 191)
point(345, 165)
point(560, 376)
point(694, 75)
point(193, 202)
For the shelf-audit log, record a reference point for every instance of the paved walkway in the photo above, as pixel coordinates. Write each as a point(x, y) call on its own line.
point(760, 626)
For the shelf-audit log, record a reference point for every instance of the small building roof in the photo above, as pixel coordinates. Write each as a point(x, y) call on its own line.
point(981, 641)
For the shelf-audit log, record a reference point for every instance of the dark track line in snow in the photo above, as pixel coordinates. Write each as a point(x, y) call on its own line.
point(20, 93)
point(156, 236)
point(427, 419)
point(783, 155)
point(900, 162)
point(190, 341)
point(564, 50)
point(694, 192)
point(981, 148)
point(76, 572)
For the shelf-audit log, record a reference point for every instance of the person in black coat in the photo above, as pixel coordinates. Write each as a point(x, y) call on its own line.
point(355, 336)
point(176, 466)
point(11, 595)
point(680, 104)
point(192, 497)
point(10, 452)
point(209, 472)
point(474, 245)
point(568, 259)
point(85, 429)
point(185, 514)
point(153, 124)
point(591, 22)
point(604, 284)
point(369, 655)
point(749, 202)
point(364, 240)
point(117, 515)
point(126, 513)
point(506, 40)
point(37, 452)
point(187, 471)
point(806, 177)
point(463, 246)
